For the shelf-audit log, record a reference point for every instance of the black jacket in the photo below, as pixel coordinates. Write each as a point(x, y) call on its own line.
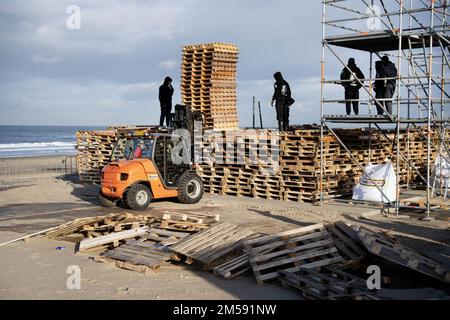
point(281, 87)
point(390, 71)
point(345, 75)
point(379, 84)
point(165, 93)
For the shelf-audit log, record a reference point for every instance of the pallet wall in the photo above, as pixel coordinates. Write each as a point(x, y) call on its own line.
point(240, 166)
point(298, 174)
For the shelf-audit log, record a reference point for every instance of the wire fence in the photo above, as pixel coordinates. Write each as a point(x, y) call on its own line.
point(37, 166)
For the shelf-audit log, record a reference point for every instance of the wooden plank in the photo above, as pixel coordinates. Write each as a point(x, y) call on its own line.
point(94, 242)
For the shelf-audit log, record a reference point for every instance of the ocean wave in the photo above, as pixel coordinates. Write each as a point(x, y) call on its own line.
point(54, 145)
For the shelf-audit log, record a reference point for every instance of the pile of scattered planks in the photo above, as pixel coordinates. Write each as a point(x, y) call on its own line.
point(319, 261)
point(208, 83)
point(93, 227)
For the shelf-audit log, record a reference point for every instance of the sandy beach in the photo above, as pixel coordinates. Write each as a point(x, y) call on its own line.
point(36, 270)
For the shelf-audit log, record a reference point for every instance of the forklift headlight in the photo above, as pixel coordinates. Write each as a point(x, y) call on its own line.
point(123, 176)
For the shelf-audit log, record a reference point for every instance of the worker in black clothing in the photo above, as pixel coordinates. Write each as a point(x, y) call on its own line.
point(165, 101)
point(351, 85)
point(379, 87)
point(282, 99)
point(389, 71)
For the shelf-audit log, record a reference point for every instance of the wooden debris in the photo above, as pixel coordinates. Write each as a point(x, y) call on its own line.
point(197, 217)
point(163, 237)
point(136, 256)
point(112, 238)
point(393, 250)
point(326, 284)
point(182, 226)
point(93, 227)
point(233, 268)
point(214, 244)
point(307, 247)
point(347, 242)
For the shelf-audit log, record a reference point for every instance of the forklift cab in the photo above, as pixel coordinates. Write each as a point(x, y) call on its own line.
point(169, 154)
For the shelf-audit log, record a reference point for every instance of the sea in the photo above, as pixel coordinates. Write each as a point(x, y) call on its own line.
point(27, 141)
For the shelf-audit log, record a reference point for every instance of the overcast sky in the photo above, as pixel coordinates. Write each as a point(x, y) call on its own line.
point(108, 72)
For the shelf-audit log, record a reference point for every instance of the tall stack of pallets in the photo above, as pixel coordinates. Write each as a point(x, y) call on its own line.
point(94, 152)
point(97, 148)
point(208, 83)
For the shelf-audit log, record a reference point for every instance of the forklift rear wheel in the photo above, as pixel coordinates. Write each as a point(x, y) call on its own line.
point(190, 188)
point(138, 197)
point(106, 202)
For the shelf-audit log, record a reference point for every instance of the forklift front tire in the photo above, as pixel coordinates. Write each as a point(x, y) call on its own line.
point(138, 197)
point(190, 188)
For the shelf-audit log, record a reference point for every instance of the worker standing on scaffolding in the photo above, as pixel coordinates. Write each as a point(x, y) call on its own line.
point(379, 86)
point(389, 71)
point(352, 86)
point(282, 99)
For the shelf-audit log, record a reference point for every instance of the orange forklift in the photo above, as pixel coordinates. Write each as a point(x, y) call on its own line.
point(154, 165)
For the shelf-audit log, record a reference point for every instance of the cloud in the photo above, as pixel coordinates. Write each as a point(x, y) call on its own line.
point(59, 102)
point(168, 64)
point(108, 72)
point(42, 58)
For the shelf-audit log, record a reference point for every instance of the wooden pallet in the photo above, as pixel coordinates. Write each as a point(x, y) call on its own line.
point(393, 250)
point(214, 244)
point(347, 242)
point(136, 256)
point(197, 217)
point(326, 283)
point(307, 247)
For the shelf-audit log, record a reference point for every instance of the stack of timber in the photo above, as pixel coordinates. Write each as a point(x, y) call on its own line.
point(208, 83)
point(98, 148)
point(94, 152)
point(241, 163)
point(326, 283)
point(307, 247)
point(268, 164)
point(286, 166)
point(214, 245)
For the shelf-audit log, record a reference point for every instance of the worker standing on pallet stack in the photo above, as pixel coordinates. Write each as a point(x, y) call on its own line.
point(352, 85)
point(165, 101)
point(283, 100)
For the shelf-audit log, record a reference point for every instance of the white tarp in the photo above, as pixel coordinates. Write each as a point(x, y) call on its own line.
point(383, 175)
point(441, 176)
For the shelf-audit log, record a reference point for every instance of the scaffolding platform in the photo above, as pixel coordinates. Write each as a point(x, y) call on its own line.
point(379, 119)
point(384, 41)
point(415, 36)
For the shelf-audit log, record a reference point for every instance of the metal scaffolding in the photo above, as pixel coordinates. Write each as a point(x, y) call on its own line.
point(415, 35)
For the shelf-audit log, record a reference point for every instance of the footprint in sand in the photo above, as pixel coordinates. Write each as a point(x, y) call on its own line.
point(123, 291)
point(42, 264)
